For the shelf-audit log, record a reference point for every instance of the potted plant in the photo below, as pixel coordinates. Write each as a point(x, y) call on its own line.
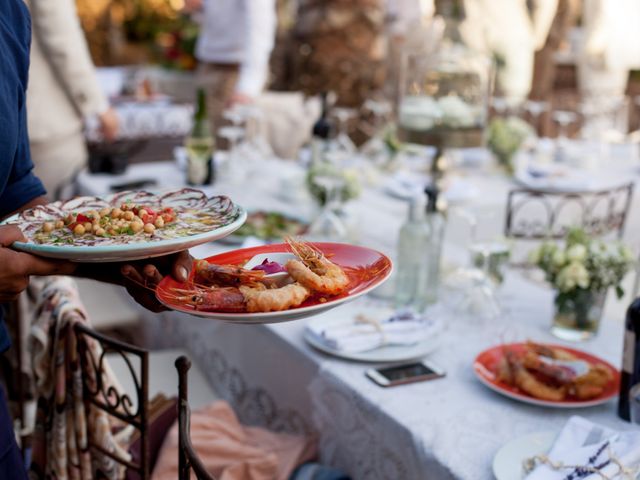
point(581, 271)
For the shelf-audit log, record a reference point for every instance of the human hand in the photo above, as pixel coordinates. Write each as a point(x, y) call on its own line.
point(142, 278)
point(192, 5)
point(109, 124)
point(18, 266)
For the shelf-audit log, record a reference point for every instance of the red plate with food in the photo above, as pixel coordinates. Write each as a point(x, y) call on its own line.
point(281, 282)
point(547, 375)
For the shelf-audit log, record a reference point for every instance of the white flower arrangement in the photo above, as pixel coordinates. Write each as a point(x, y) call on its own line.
point(349, 179)
point(583, 264)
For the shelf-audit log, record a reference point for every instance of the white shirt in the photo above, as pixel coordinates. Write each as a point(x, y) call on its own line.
point(239, 31)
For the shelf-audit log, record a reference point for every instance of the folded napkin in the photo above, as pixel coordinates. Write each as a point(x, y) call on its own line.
point(584, 443)
point(362, 333)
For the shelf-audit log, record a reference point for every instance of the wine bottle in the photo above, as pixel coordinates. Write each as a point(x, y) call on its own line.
point(630, 374)
point(200, 145)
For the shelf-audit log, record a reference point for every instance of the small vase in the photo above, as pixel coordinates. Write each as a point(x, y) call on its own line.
point(578, 314)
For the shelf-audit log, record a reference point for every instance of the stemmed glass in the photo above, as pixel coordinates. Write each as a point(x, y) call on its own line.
point(475, 285)
point(535, 108)
point(342, 140)
point(564, 119)
point(375, 148)
point(328, 226)
point(232, 170)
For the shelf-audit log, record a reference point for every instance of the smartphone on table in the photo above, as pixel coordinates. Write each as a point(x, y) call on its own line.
point(403, 374)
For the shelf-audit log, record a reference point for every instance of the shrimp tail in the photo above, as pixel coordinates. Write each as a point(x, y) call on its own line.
point(225, 275)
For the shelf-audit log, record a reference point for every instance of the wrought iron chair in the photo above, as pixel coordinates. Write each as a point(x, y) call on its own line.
point(108, 399)
point(535, 215)
point(188, 458)
point(540, 215)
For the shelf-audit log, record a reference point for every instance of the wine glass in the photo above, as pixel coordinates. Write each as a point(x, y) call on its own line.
point(564, 119)
point(342, 141)
point(328, 226)
point(232, 170)
point(535, 108)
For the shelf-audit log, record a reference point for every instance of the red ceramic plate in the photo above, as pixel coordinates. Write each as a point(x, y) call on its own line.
point(486, 365)
point(366, 268)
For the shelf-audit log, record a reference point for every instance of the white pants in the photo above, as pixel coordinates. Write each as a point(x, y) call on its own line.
point(58, 160)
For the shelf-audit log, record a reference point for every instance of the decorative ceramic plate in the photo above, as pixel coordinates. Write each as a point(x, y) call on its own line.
point(191, 218)
point(508, 461)
point(486, 365)
point(366, 269)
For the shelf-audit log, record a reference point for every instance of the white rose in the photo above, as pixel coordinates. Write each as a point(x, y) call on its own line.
point(558, 259)
point(535, 255)
point(577, 253)
point(573, 275)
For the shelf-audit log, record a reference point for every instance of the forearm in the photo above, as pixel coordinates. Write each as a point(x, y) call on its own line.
point(33, 203)
point(57, 29)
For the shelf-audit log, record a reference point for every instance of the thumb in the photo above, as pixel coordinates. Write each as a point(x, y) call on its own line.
point(42, 266)
point(181, 267)
point(10, 234)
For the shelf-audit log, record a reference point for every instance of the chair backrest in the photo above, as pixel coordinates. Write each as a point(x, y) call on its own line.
point(188, 458)
point(120, 405)
point(540, 215)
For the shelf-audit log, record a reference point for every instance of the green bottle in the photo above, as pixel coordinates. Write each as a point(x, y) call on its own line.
point(200, 145)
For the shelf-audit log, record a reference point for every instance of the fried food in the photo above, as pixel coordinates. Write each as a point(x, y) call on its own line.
point(548, 373)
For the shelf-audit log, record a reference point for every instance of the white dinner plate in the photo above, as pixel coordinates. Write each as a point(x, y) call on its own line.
point(228, 218)
point(387, 354)
point(508, 461)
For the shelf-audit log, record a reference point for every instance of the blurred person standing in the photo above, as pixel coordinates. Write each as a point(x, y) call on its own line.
point(63, 91)
point(234, 46)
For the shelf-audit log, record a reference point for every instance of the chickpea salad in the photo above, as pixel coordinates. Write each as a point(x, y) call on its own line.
point(127, 217)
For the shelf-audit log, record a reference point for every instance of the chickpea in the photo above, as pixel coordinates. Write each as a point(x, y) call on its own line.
point(159, 223)
point(136, 226)
point(112, 231)
point(59, 224)
point(78, 230)
point(100, 232)
point(105, 211)
point(88, 226)
point(116, 213)
point(142, 212)
point(93, 214)
point(128, 216)
point(149, 228)
point(47, 227)
point(136, 218)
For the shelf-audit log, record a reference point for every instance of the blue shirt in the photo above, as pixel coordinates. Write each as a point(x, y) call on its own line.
point(18, 184)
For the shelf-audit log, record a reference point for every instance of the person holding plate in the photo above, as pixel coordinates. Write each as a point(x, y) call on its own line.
point(20, 189)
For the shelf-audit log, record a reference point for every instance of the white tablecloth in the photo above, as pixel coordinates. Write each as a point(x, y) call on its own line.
point(449, 428)
point(146, 120)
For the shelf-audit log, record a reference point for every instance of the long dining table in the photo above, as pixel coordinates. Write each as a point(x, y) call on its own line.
point(442, 429)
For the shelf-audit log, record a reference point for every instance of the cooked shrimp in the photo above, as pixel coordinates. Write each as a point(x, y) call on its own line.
point(231, 275)
point(314, 271)
point(262, 299)
point(256, 298)
point(526, 382)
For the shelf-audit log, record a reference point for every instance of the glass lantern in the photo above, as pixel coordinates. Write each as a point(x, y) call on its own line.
point(444, 92)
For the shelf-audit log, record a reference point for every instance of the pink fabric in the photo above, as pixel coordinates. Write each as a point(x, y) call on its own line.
point(231, 451)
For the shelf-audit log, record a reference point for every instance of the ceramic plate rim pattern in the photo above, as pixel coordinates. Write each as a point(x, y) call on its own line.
point(369, 356)
point(285, 315)
point(546, 438)
point(482, 373)
point(132, 251)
